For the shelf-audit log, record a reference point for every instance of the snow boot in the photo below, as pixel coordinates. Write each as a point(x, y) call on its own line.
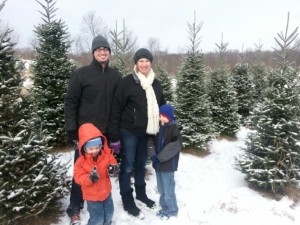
point(129, 204)
point(141, 195)
point(163, 215)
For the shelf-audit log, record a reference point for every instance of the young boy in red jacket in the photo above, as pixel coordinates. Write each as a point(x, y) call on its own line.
point(91, 171)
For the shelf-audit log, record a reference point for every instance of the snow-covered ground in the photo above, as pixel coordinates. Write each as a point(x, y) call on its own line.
point(210, 191)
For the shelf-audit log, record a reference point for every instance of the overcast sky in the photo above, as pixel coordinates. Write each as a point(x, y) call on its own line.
point(243, 23)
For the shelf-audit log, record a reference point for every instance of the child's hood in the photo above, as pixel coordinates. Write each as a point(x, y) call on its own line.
point(87, 132)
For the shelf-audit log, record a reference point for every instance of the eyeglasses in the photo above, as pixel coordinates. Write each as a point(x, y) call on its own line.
point(102, 49)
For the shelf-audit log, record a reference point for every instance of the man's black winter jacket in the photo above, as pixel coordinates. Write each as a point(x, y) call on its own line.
point(89, 96)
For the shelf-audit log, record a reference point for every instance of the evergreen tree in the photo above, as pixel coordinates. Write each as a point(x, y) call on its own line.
point(51, 73)
point(260, 75)
point(30, 180)
point(11, 103)
point(243, 87)
point(192, 103)
point(123, 49)
point(164, 78)
point(272, 159)
point(223, 96)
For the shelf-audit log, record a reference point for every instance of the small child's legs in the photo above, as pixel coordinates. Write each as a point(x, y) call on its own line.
point(101, 213)
point(166, 188)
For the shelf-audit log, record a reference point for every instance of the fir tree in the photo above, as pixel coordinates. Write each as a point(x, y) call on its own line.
point(163, 76)
point(223, 96)
point(272, 159)
point(122, 48)
point(11, 103)
point(260, 75)
point(51, 73)
point(30, 180)
point(243, 87)
point(192, 103)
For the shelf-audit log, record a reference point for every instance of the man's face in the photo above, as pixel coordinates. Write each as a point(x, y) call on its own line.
point(101, 54)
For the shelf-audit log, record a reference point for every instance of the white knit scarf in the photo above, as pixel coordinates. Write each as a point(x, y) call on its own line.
point(152, 106)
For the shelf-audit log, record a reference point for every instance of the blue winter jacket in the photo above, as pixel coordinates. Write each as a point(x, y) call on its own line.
point(167, 145)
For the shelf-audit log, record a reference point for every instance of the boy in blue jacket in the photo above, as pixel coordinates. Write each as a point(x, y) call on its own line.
point(164, 149)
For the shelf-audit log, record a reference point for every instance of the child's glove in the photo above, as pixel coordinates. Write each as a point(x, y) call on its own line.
point(116, 147)
point(94, 177)
point(113, 169)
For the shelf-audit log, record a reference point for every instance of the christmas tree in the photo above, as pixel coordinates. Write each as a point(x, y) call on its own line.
point(260, 76)
point(243, 87)
point(51, 73)
point(122, 47)
point(163, 76)
point(192, 102)
point(30, 179)
point(223, 96)
point(272, 156)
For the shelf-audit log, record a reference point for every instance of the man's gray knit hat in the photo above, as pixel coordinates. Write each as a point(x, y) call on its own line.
point(100, 41)
point(142, 53)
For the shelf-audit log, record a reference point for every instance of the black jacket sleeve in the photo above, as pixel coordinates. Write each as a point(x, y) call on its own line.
point(72, 101)
point(116, 110)
point(173, 147)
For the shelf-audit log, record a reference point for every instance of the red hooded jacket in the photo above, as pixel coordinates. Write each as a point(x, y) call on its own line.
point(101, 189)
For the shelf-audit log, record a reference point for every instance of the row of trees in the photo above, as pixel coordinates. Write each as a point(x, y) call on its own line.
point(31, 179)
point(208, 103)
point(217, 102)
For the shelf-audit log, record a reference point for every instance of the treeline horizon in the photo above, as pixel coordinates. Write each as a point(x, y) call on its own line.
point(173, 60)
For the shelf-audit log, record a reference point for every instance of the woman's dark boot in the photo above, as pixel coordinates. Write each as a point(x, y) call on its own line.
point(129, 204)
point(141, 195)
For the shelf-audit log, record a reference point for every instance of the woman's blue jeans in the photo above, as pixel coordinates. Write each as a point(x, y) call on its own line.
point(134, 157)
point(166, 188)
point(101, 213)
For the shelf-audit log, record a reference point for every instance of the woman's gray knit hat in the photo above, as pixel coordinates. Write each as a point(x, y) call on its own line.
point(142, 53)
point(100, 41)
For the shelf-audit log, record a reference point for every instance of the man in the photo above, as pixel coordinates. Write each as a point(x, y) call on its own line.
point(88, 100)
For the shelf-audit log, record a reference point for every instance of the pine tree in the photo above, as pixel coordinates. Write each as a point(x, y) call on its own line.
point(243, 87)
point(11, 103)
point(51, 73)
point(260, 75)
point(164, 78)
point(30, 180)
point(123, 48)
point(192, 103)
point(223, 96)
point(272, 157)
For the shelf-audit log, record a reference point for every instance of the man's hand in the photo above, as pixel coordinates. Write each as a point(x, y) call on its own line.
point(72, 138)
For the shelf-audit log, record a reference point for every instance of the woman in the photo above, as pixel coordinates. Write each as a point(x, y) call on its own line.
point(135, 115)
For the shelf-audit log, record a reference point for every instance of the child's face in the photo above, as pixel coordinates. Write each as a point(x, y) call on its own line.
point(163, 119)
point(93, 151)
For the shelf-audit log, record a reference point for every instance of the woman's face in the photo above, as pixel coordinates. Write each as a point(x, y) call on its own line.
point(143, 66)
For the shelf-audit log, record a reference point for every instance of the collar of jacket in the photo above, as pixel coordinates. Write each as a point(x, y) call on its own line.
point(136, 79)
point(168, 124)
point(99, 65)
